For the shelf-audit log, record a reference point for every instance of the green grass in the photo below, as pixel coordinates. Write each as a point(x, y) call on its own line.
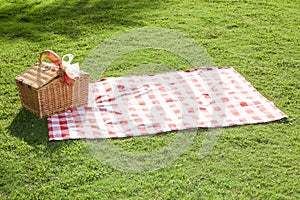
point(260, 39)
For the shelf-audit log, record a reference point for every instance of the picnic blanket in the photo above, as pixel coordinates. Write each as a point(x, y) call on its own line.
point(150, 104)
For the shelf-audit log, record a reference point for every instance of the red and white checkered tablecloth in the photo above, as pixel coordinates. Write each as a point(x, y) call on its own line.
point(149, 104)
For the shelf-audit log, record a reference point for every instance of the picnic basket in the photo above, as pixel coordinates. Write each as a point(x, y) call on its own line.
point(44, 91)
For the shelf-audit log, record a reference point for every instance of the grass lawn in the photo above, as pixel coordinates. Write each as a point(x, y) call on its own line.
point(260, 39)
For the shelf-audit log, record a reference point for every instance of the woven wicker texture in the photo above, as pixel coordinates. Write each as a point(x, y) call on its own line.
point(44, 92)
point(37, 76)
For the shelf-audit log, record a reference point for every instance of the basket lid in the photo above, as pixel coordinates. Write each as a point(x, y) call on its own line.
point(38, 75)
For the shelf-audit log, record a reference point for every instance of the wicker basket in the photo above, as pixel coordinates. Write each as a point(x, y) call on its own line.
point(44, 92)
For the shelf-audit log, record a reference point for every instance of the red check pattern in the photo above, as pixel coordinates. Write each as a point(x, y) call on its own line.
point(150, 104)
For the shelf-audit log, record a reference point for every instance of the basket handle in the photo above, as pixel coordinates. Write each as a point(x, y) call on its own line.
point(52, 56)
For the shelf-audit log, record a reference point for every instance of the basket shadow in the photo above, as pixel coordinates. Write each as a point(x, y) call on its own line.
point(29, 128)
point(34, 131)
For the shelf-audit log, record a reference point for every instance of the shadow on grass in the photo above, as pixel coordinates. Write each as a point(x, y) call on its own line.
point(34, 131)
point(37, 21)
point(30, 128)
